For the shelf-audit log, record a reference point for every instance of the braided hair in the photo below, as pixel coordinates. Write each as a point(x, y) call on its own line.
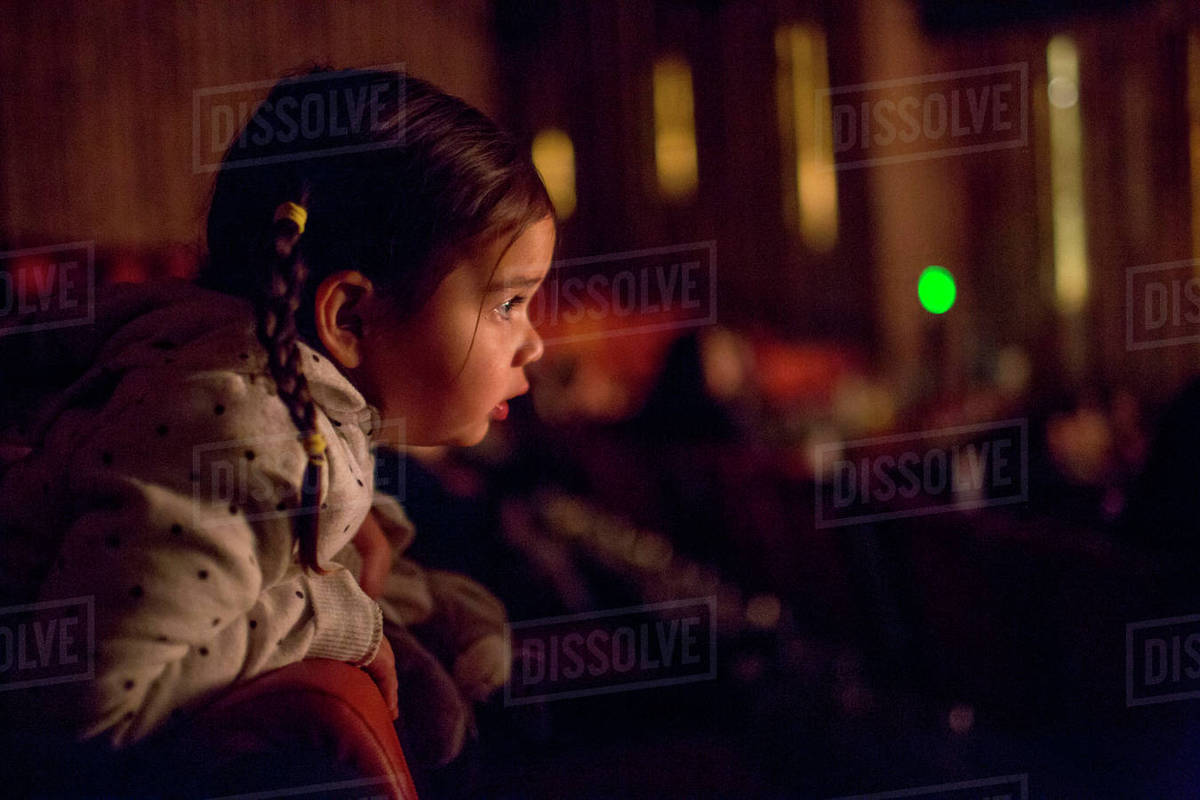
point(398, 201)
point(280, 297)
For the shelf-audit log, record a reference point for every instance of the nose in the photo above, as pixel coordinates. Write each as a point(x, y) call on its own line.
point(531, 349)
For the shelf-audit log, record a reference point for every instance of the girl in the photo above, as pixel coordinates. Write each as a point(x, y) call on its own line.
point(210, 457)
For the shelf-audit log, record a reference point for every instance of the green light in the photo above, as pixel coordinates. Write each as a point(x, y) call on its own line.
point(936, 289)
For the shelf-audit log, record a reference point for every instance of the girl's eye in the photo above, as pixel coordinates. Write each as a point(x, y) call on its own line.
point(506, 308)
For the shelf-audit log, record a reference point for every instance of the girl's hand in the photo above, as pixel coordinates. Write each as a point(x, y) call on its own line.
point(484, 667)
point(376, 553)
point(382, 670)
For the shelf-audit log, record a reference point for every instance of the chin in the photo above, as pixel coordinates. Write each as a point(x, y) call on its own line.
point(471, 436)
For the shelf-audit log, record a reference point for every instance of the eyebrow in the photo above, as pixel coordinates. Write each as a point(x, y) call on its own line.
point(523, 282)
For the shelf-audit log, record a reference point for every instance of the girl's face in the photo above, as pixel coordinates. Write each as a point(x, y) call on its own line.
point(447, 371)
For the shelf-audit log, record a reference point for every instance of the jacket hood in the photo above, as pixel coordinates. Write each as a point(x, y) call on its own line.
point(167, 323)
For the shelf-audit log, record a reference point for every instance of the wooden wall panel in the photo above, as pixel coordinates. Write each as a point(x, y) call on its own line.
point(96, 97)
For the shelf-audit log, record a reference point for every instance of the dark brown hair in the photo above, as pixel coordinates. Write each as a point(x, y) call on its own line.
point(400, 199)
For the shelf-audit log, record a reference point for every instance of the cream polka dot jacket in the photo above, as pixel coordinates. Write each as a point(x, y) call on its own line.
point(162, 484)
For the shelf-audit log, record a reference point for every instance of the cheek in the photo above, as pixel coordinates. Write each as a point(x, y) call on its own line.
point(414, 380)
point(483, 380)
point(455, 393)
point(437, 355)
point(443, 398)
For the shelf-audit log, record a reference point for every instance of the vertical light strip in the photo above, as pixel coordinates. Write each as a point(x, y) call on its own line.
point(1193, 89)
point(1066, 175)
point(674, 128)
point(802, 83)
point(554, 156)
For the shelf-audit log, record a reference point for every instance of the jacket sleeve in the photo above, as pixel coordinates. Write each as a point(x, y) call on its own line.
point(181, 533)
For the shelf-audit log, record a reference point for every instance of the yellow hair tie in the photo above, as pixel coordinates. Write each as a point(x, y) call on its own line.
point(314, 444)
point(294, 212)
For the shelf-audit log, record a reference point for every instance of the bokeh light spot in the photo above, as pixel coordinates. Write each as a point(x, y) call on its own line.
point(936, 289)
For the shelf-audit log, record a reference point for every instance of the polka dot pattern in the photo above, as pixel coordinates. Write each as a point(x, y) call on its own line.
point(173, 558)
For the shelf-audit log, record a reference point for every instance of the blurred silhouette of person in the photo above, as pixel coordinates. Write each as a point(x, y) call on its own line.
point(680, 407)
point(1163, 508)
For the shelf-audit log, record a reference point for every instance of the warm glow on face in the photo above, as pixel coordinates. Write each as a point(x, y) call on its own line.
point(801, 87)
point(1066, 175)
point(674, 128)
point(554, 157)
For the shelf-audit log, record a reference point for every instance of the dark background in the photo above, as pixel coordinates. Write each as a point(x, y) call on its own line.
point(916, 650)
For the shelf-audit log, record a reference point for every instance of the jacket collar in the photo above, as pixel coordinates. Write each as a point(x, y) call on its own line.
point(129, 318)
point(334, 393)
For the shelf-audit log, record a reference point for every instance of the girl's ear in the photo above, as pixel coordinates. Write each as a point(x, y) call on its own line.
point(339, 315)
